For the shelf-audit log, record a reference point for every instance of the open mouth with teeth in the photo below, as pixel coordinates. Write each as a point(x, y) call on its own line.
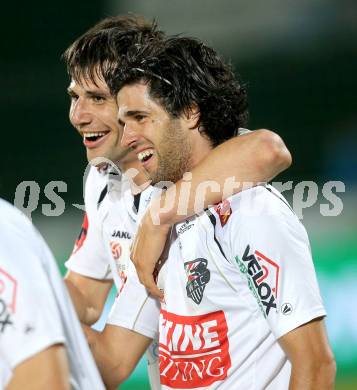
point(93, 137)
point(146, 155)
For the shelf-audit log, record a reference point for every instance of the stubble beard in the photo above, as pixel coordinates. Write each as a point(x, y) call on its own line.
point(174, 157)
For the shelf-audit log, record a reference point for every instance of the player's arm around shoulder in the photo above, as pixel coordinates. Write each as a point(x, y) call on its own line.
point(272, 155)
point(235, 165)
point(88, 295)
point(254, 156)
point(313, 363)
point(239, 163)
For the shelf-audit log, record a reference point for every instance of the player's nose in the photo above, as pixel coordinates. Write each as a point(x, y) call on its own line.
point(129, 137)
point(79, 114)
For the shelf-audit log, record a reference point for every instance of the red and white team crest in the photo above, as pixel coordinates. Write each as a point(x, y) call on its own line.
point(224, 211)
point(194, 350)
point(198, 275)
point(116, 249)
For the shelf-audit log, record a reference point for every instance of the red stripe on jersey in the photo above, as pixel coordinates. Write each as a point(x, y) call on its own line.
point(82, 235)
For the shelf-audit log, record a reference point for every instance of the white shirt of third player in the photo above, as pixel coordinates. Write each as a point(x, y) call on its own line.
point(36, 311)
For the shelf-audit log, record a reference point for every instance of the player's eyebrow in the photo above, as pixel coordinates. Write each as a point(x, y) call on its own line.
point(90, 94)
point(98, 93)
point(132, 113)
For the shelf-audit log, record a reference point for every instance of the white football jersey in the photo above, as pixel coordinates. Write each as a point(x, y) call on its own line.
point(89, 257)
point(36, 311)
point(122, 215)
point(237, 278)
point(103, 252)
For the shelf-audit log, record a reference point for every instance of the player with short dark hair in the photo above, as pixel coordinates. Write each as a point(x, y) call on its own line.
point(221, 97)
point(101, 255)
point(96, 52)
point(241, 306)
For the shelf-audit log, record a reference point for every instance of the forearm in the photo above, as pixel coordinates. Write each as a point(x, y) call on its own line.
point(116, 351)
point(257, 156)
point(312, 361)
point(86, 314)
point(320, 375)
point(47, 369)
point(101, 356)
point(237, 164)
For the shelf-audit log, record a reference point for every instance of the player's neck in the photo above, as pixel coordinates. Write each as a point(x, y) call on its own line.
point(200, 147)
point(136, 174)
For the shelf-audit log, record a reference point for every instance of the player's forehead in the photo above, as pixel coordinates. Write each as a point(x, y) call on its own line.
point(88, 82)
point(136, 97)
point(85, 84)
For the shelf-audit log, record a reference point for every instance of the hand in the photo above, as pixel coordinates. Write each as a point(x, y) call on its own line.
point(146, 250)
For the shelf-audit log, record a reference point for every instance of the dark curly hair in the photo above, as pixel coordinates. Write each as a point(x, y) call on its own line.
point(182, 72)
point(98, 50)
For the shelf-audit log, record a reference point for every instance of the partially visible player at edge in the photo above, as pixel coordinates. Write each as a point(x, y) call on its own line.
point(254, 157)
point(241, 307)
point(42, 345)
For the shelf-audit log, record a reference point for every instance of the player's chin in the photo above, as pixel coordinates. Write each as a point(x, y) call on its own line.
point(127, 156)
point(154, 175)
point(98, 158)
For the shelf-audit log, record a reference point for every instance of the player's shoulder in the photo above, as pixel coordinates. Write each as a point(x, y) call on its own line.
point(260, 200)
point(132, 199)
point(19, 239)
point(95, 190)
point(95, 181)
point(260, 215)
point(259, 208)
point(12, 219)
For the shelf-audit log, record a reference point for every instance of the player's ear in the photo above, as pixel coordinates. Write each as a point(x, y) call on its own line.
point(192, 117)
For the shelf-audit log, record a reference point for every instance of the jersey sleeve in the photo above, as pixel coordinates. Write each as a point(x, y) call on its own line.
point(135, 309)
point(29, 318)
point(89, 254)
point(271, 250)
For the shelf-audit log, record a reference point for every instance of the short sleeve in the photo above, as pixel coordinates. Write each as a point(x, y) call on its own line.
point(30, 319)
point(135, 309)
point(89, 256)
point(271, 249)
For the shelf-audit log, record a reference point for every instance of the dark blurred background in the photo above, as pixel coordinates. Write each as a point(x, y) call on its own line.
point(299, 59)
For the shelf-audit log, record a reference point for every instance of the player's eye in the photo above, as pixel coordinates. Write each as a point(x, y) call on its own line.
point(72, 96)
point(139, 117)
point(98, 99)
